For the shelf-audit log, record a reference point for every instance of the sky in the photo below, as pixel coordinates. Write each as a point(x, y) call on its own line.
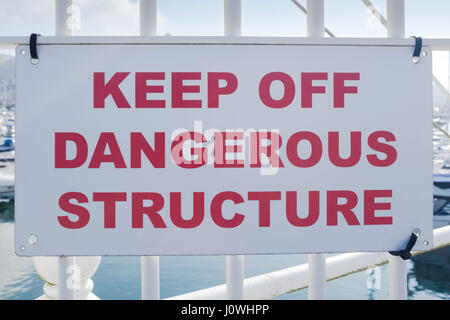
point(345, 18)
point(429, 18)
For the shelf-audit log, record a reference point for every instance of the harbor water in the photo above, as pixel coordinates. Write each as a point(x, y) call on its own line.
point(119, 277)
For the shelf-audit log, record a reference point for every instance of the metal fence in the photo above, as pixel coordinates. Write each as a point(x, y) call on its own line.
point(319, 269)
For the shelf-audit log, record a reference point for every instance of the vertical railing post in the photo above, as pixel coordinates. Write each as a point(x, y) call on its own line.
point(232, 18)
point(148, 15)
point(317, 276)
point(315, 18)
point(62, 27)
point(66, 281)
point(235, 263)
point(396, 18)
point(316, 262)
point(150, 278)
point(235, 277)
point(65, 264)
point(397, 266)
point(398, 278)
point(149, 265)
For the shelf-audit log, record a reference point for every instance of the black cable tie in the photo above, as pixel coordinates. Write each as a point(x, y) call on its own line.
point(406, 253)
point(417, 49)
point(33, 48)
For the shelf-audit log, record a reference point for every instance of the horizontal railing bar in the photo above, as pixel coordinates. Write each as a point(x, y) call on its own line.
point(277, 283)
point(9, 42)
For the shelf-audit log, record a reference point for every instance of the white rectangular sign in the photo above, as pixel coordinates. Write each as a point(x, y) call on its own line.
point(222, 149)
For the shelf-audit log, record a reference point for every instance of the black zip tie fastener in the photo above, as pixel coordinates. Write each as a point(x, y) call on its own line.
point(405, 254)
point(417, 49)
point(33, 48)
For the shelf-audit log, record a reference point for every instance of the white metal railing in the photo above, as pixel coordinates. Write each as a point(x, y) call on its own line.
point(398, 285)
point(10, 42)
point(277, 283)
point(315, 27)
point(148, 13)
point(318, 269)
point(235, 263)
